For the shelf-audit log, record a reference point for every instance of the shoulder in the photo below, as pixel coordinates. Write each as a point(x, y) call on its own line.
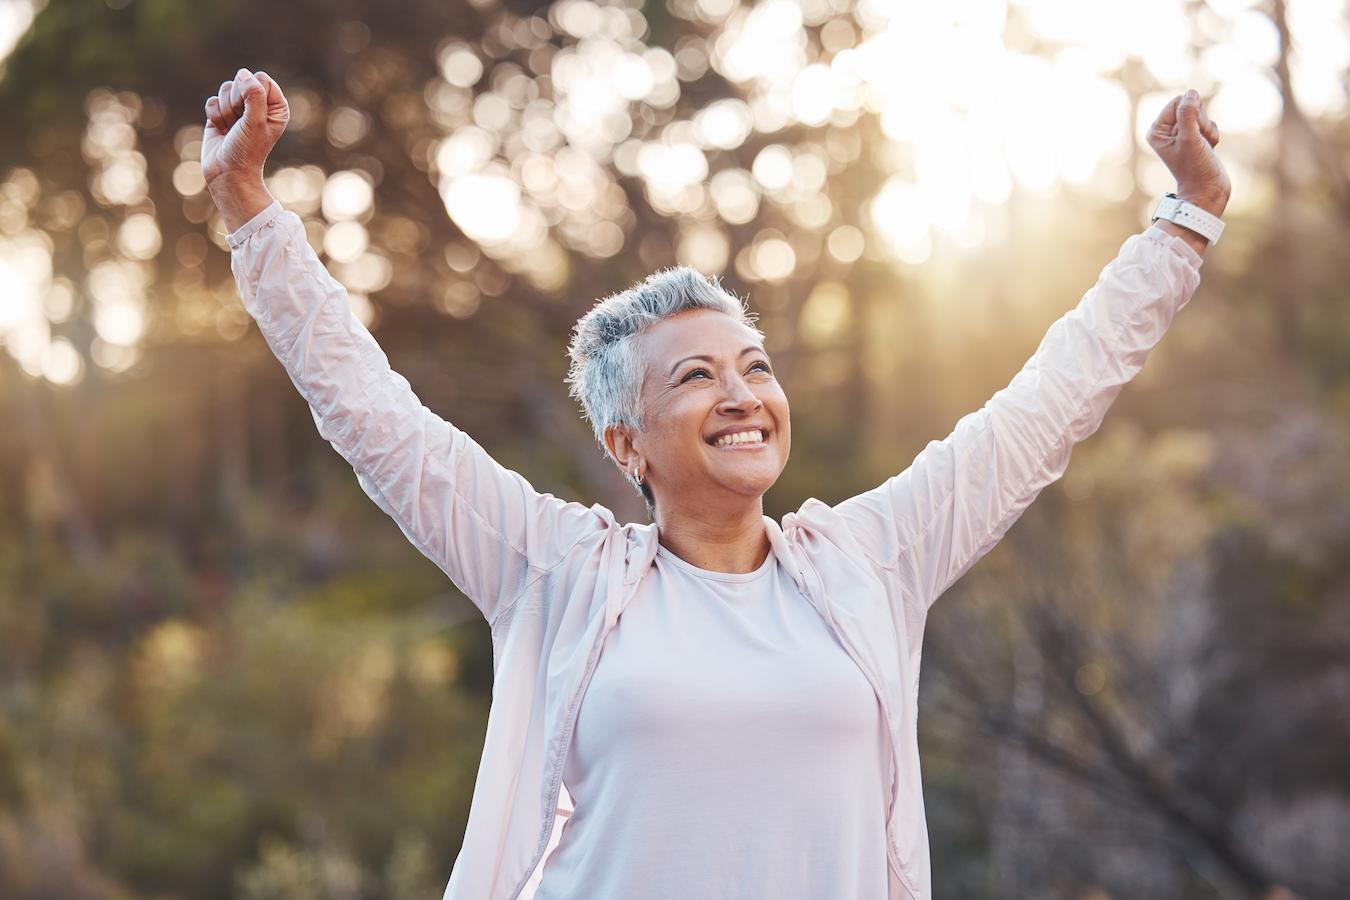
point(855, 528)
point(594, 534)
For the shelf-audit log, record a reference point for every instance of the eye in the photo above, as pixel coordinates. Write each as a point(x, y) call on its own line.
point(703, 372)
point(762, 366)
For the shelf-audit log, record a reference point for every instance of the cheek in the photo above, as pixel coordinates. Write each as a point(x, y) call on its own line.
point(670, 427)
point(783, 413)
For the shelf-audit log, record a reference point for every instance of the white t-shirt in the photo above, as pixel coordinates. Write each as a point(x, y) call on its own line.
point(727, 748)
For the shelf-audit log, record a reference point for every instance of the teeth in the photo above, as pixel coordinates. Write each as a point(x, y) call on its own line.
point(755, 436)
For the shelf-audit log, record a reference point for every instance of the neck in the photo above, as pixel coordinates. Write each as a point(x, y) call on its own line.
point(721, 541)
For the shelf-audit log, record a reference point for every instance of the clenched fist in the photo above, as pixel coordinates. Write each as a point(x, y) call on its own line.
point(1184, 138)
point(243, 122)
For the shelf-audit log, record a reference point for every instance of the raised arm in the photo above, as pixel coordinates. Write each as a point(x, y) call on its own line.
point(932, 522)
point(482, 524)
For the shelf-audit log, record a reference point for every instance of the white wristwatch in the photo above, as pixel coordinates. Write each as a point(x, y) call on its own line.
point(1188, 215)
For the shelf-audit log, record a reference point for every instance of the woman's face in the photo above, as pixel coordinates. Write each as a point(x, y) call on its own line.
point(716, 419)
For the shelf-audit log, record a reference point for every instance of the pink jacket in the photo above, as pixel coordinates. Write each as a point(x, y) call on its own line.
point(552, 577)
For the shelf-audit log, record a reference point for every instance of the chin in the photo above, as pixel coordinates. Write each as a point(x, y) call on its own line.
point(751, 485)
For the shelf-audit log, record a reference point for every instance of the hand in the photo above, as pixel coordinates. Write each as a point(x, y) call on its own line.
point(1184, 138)
point(243, 123)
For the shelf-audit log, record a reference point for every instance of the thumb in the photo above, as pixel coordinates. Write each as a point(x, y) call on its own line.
point(1188, 115)
point(255, 99)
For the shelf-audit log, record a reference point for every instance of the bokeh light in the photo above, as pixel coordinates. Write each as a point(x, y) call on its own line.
point(555, 134)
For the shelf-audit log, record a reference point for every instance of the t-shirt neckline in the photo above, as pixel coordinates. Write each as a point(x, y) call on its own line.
point(764, 568)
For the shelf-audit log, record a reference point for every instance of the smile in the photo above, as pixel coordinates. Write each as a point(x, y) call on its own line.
point(750, 439)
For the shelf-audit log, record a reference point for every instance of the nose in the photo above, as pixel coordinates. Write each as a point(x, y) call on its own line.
point(739, 398)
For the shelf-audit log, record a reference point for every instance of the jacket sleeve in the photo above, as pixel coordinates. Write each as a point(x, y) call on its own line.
point(933, 521)
point(482, 524)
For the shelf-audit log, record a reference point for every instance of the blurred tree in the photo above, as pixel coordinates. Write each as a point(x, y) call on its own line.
point(205, 625)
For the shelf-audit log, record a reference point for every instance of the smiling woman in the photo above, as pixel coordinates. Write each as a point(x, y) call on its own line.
point(667, 416)
point(750, 730)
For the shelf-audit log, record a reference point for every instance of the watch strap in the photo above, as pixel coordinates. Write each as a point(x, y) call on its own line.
point(1188, 215)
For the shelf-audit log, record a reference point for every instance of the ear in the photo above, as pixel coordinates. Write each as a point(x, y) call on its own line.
point(619, 443)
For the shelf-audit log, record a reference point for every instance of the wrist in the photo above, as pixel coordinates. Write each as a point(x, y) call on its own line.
point(234, 181)
point(1190, 238)
point(1196, 224)
point(1212, 202)
point(239, 197)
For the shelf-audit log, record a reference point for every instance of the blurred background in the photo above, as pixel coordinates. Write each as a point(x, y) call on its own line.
point(225, 673)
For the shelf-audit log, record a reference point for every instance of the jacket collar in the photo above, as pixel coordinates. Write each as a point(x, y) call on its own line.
point(643, 541)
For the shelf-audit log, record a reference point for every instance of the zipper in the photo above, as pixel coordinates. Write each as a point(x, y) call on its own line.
point(892, 857)
point(891, 854)
point(555, 781)
point(900, 871)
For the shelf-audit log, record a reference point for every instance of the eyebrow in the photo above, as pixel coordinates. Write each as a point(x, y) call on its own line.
point(753, 348)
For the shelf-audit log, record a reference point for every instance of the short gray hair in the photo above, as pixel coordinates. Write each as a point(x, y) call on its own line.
point(607, 367)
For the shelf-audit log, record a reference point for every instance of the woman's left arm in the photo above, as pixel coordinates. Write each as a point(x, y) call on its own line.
point(936, 519)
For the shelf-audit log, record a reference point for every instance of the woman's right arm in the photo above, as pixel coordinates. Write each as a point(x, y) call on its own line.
point(481, 523)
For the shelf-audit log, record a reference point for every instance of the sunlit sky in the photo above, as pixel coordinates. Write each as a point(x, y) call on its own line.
point(978, 98)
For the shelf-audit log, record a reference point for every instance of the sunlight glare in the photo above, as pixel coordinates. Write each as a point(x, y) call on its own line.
point(138, 237)
point(942, 183)
point(485, 207)
point(61, 362)
point(734, 195)
point(16, 296)
point(120, 321)
point(765, 44)
point(347, 195)
point(977, 117)
point(1322, 54)
point(899, 217)
point(813, 94)
point(705, 248)
point(346, 241)
point(846, 243)
point(724, 124)
point(772, 167)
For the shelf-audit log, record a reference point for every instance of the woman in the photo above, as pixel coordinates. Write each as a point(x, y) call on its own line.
point(750, 730)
